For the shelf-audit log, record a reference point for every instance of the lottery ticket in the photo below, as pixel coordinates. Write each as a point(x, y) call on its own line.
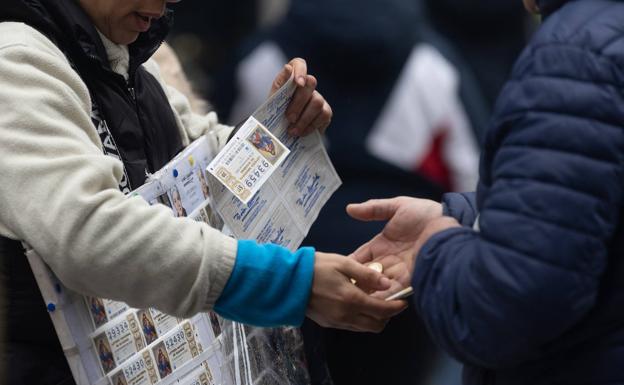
point(153, 193)
point(155, 324)
point(103, 310)
point(248, 160)
point(274, 228)
point(207, 214)
point(311, 186)
point(285, 207)
point(200, 376)
point(117, 341)
point(139, 370)
point(175, 349)
point(182, 184)
point(242, 218)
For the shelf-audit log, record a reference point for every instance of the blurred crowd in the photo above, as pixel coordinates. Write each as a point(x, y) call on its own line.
point(412, 84)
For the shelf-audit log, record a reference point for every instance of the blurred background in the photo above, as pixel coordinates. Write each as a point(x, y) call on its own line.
point(411, 83)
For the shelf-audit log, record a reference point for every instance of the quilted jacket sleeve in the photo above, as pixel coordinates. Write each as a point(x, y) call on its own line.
point(461, 206)
point(550, 198)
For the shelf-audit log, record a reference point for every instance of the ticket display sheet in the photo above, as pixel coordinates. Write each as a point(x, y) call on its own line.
point(268, 185)
point(272, 187)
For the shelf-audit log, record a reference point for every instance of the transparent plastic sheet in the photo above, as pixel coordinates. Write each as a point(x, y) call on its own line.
point(237, 354)
point(259, 356)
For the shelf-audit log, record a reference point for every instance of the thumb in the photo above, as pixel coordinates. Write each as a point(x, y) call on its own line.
point(281, 78)
point(367, 278)
point(374, 209)
point(363, 254)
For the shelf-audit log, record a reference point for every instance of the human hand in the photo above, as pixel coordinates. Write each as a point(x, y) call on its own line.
point(398, 243)
point(308, 110)
point(336, 302)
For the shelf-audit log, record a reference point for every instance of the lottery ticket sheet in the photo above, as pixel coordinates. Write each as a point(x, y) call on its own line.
point(273, 191)
point(139, 346)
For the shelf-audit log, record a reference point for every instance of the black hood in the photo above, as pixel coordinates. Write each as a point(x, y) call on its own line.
point(66, 22)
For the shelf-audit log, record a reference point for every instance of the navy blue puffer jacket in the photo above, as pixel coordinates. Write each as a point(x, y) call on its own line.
point(531, 289)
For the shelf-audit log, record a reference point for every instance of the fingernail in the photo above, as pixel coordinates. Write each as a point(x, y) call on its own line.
point(301, 81)
point(385, 282)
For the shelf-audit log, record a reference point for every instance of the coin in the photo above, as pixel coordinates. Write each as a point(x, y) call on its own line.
point(378, 267)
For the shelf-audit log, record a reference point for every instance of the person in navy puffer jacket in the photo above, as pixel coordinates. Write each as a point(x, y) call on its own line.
point(523, 281)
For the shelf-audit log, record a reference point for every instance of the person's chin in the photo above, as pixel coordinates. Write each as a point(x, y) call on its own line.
point(127, 38)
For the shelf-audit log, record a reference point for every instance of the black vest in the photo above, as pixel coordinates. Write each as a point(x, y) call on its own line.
point(136, 124)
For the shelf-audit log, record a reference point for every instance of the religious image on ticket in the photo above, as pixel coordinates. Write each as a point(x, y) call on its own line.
point(103, 310)
point(98, 311)
point(147, 326)
point(269, 146)
point(105, 353)
point(155, 324)
point(203, 183)
point(178, 206)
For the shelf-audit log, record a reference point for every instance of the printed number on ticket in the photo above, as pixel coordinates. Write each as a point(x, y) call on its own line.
point(248, 160)
point(138, 371)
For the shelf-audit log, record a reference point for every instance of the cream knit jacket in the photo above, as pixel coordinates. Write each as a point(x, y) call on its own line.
point(59, 195)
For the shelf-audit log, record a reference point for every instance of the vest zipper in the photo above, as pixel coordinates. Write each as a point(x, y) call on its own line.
point(132, 94)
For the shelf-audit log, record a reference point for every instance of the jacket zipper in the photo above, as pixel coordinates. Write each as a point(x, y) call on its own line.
point(132, 95)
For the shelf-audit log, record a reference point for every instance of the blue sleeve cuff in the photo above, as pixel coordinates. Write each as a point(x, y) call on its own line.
point(426, 273)
point(269, 285)
point(461, 206)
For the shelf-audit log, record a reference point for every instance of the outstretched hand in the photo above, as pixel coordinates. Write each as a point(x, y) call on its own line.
point(337, 303)
point(308, 110)
point(411, 222)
